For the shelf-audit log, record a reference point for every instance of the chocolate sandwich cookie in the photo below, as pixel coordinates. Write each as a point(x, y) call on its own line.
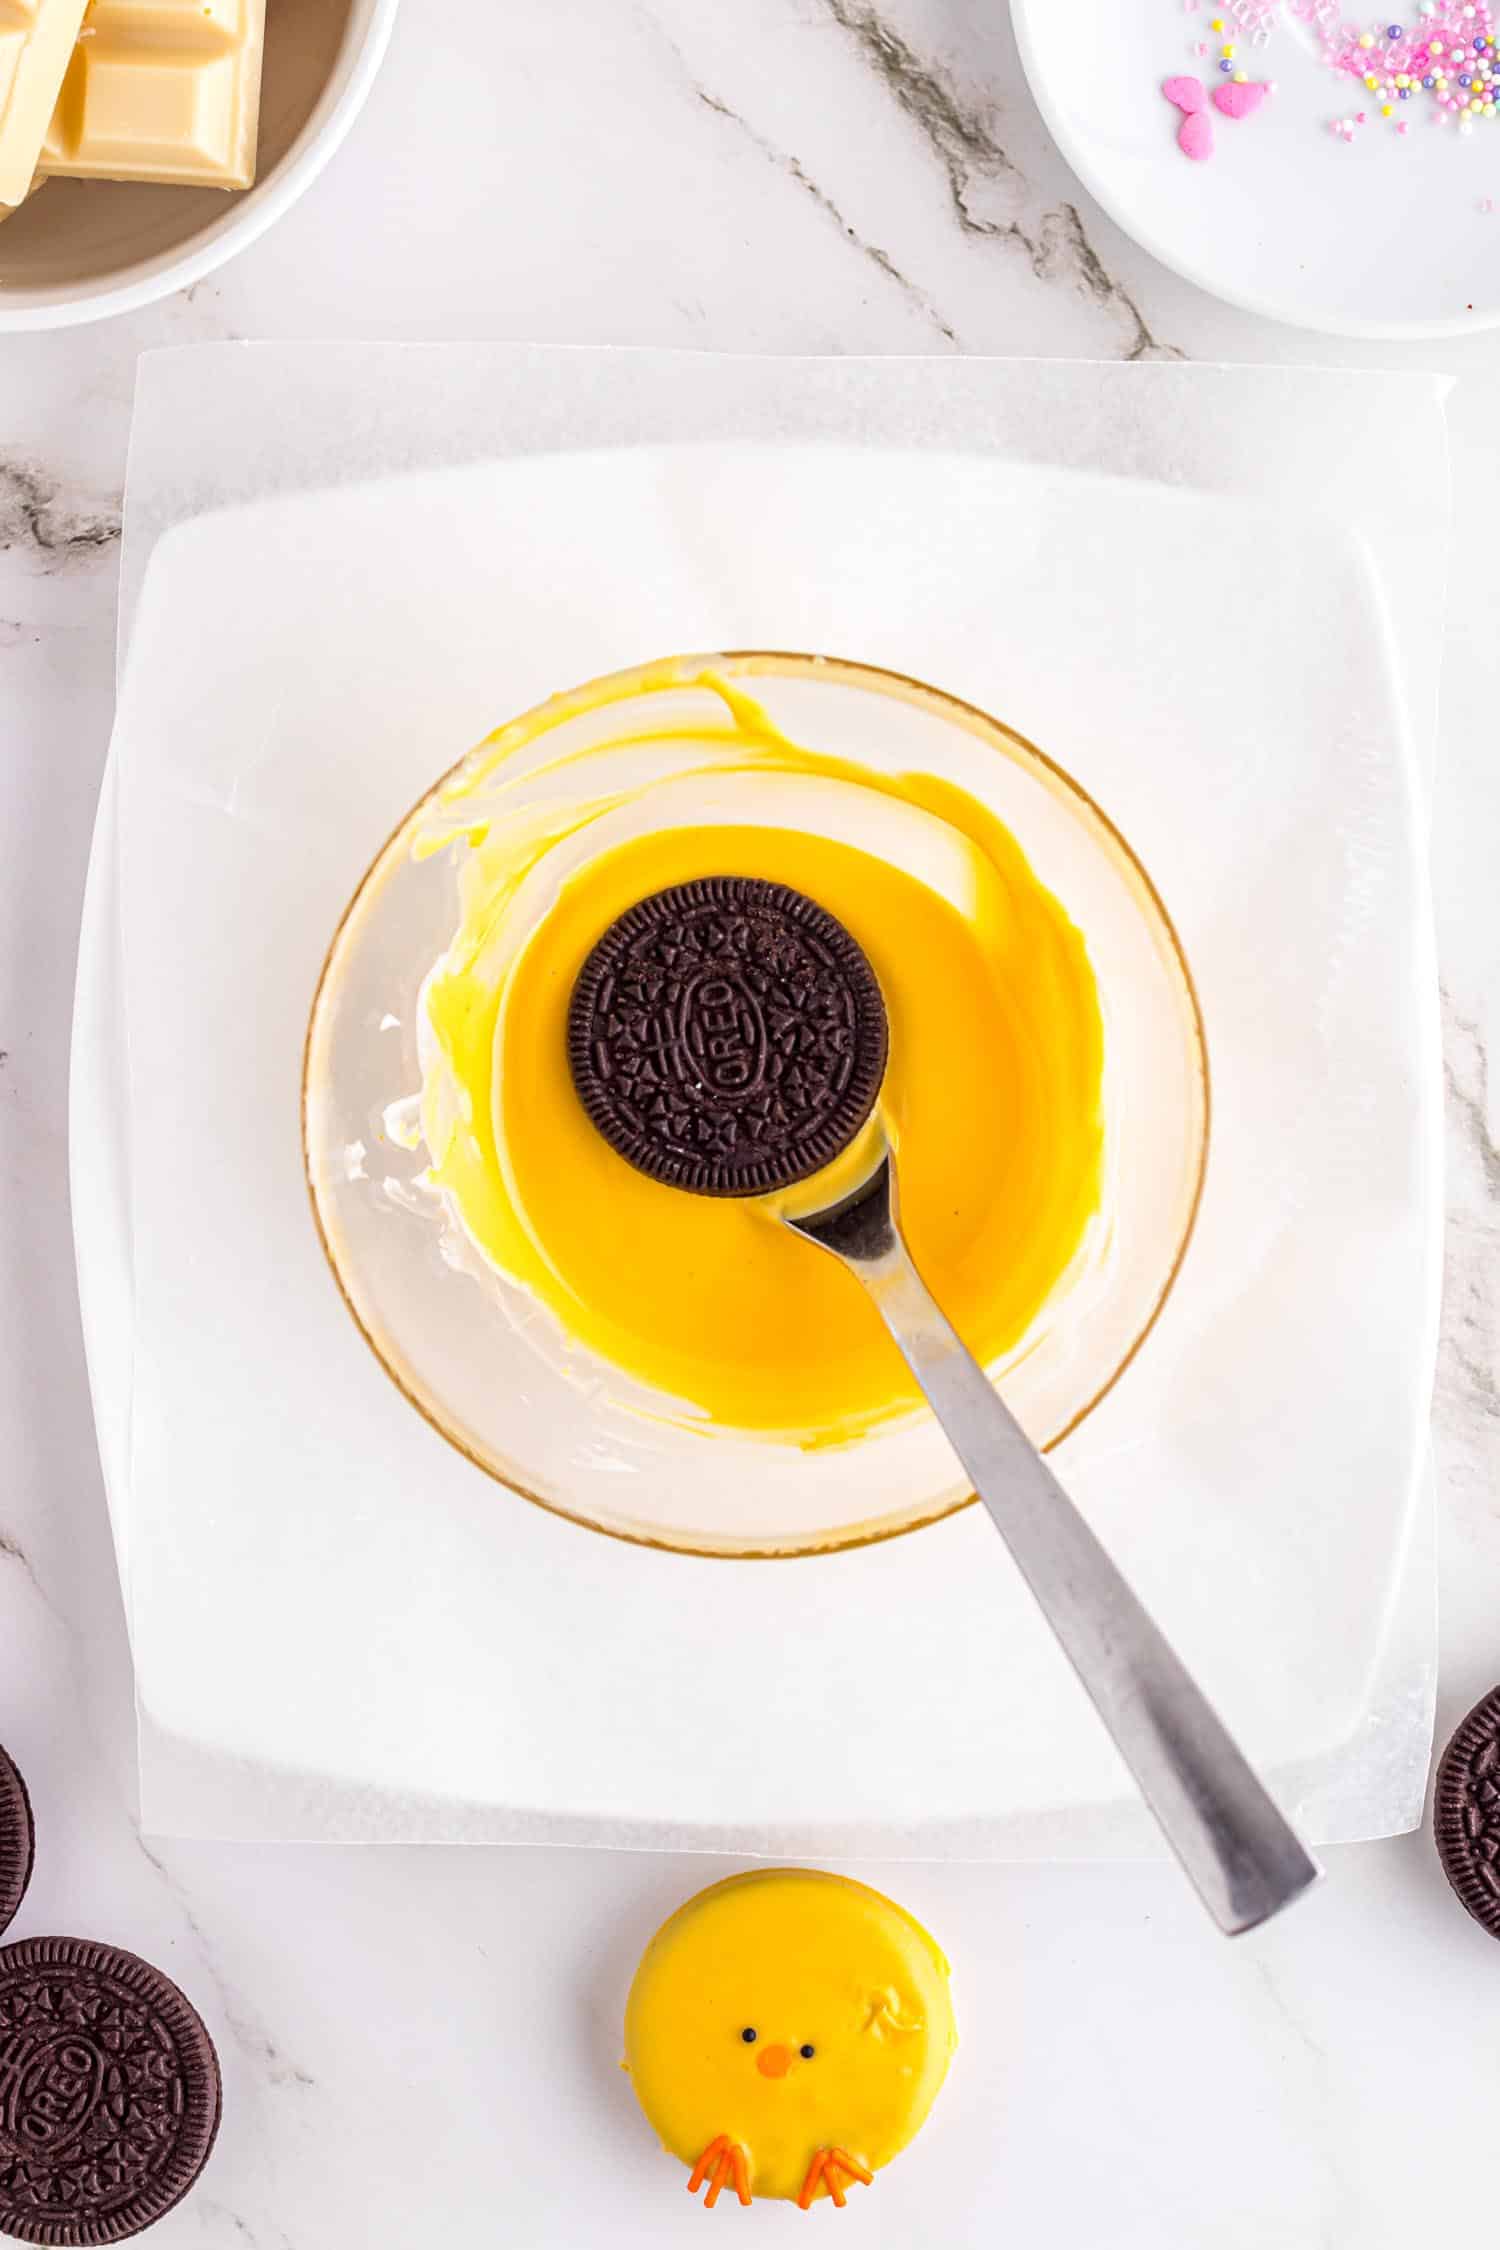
point(17, 1840)
point(1466, 1812)
point(727, 1036)
point(109, 2092)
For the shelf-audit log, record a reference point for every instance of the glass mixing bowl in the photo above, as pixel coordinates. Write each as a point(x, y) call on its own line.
point(487, 1366)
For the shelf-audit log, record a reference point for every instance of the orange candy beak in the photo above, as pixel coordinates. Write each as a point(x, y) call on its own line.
point(774, 2062)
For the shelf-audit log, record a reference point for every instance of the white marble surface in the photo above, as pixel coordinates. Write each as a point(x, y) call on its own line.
point(418, 2045)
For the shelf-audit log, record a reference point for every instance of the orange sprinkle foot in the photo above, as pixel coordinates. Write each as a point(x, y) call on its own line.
point(725, 2160)
point(824, 2171)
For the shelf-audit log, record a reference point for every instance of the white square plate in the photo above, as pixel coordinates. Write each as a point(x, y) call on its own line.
point(339, 1625)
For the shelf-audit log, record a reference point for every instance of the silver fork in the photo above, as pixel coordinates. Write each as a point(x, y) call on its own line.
point(1243, 1857)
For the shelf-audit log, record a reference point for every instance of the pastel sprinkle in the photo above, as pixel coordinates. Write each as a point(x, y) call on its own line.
point(1185, 93)
point(1195, 136)
point(1400, 67)
point(1442, 62)
point(1238, 100)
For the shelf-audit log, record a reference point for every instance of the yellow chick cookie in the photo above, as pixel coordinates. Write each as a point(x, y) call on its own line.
point(787, 2033)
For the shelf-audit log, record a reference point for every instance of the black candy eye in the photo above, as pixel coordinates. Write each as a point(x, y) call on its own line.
point(748, 2035)
point(807, 2053)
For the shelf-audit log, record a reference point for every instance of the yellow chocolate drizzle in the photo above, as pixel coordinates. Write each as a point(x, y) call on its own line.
point(992, 1098)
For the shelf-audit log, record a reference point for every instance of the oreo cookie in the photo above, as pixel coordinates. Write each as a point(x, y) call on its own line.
point(17, 1840)
point(1466, 1812)
point(109, 2092)
point(727, 1036)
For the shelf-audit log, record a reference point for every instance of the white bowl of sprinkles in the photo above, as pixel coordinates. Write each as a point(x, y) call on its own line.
point(1293, 157)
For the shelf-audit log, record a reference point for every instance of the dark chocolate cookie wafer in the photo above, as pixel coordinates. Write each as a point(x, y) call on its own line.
point(17, 1840)
point(1466, 1812)
point(727, 1036)
point(109, 2092)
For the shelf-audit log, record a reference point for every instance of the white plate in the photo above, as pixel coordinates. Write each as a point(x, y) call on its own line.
point(340, 1626)
point(1384, 237)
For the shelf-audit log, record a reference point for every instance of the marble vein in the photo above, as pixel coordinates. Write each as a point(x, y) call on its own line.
point(1468, 1371)
point(984, 182)
point(38, 521)
point(1338, 2220)
point(11, 1551)
point(1466, 1080)
point(249, 2035)
point(1299, 2030)
point(241, 2228)
point(210, 2207)
point(797, 172)
point(1470, 1346)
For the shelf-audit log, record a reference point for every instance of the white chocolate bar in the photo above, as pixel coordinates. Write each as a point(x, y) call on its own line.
point(161, 90)
point(36, 41)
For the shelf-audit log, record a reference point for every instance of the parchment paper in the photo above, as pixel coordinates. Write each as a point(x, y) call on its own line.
point(235, 1516)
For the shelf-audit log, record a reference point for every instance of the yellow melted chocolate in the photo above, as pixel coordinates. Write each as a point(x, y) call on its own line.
point(992, 1096)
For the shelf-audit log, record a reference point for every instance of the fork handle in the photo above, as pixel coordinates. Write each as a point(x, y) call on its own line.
point(1241, 1854)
